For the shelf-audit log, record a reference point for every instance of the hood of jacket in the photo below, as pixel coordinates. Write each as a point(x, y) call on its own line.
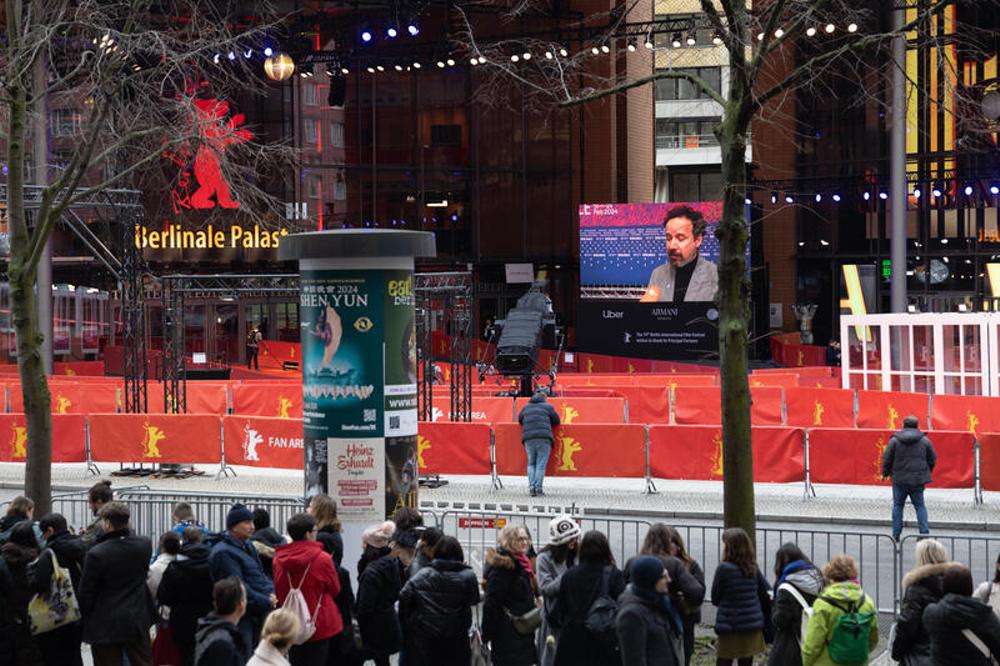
point(924, 572)
point(114, 534)
point(9, 521)
point(196, 551)
point(500, 558)
point(269, 536)
point(67, 546)
point(17, 555)
point(846, 591)
point(960, 612)
point(298, 554)
point(909, 436)
point(263, 549)
point(448, 566)
point(538, 397)
point(211, 622)
point(809, 581)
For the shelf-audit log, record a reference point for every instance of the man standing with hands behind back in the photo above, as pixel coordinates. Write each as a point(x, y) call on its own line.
point(686, 277)
point(909, 459)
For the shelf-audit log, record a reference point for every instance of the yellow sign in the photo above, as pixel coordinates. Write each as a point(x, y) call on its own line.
point(62, 404)
point(880, 445)
point(422, 445)
point(284, 404)
point(717, 458)
point(569, 414)
point(151, 441)
point(818, 410)
point(175, 237)
point(973, 422)
point(568, 447)
point(893, 417)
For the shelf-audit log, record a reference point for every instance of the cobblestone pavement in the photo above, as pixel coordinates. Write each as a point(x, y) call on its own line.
point(844, 505)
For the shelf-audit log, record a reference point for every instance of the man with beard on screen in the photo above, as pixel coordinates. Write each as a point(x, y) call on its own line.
point(686, 277)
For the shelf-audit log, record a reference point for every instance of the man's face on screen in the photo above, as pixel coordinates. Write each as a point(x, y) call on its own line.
point(682, 244)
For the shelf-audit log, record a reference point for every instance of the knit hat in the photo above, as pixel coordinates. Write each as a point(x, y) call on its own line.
point(378, 536)
point(563, 529)
point(646, 571)
point(238, 514)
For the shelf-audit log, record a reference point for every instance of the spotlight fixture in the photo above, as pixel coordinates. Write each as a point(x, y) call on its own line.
point(366, 36)
point(416, 65)
point(451, 62)
point(789, 199)
point(748, 201)
point(526, 56)
point(440, 63)
point(760, 36)
point(649, 39)
point(548, 55)
point(994, 189)
point(836, 197)
point(774, 196)
point(938, 190)
point(605, 48)
point(818, 197)
point(595, 50)
point(853, 27)
point(917, 192)
point(268, 52)
point(564, 53)
point(215, 58)
point(474, 61)
point(391, 32)
point(692, 37)
point(716, 37)
point(370, 69)
point(380, 68)
point(631, 45)
point(231, 55)
point(779, 33)
point(413, 29)
point(830, 28)
point(810, 31)
point(676, 40)
point(345, 71)
point(399, 68)
point(515, 58)
point(867, 195)
point(968, 189)
point(883, 195)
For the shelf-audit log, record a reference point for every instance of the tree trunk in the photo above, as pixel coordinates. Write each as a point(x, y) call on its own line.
point(734, 320)
point(34, 387)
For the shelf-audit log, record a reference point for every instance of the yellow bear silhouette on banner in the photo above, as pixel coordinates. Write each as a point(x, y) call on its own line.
point(151, 440)
point(568, 447)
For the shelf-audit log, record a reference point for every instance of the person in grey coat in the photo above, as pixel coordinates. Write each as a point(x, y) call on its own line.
point(909, 459)
point(537, 420)
point(553, 561)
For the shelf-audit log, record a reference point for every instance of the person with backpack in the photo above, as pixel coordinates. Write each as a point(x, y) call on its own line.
point(797, 583)
point(962, 630)
point(740, 592)
point(648, 626)
point(61, 646)
point(186, 588)
point(234, 556)
point(552, 562)
point(842, 628)
point(922, 586)
point(280, 630)
point(219, 640)
point(7, 627)
point(587, 604)
point(18, 552)
point(378, 591)
point(307, 584)
point(435, 608)
point(989, 591)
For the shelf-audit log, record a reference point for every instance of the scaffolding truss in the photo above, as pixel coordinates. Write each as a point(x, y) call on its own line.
point(452, 293)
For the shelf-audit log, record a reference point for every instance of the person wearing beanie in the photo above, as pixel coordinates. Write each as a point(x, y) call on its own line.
point(375, 540)
point(234, 555)
point(650, 631)
point(553, 561)
point(909, 459)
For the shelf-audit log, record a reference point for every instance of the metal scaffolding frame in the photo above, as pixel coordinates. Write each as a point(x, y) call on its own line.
point(453, 290)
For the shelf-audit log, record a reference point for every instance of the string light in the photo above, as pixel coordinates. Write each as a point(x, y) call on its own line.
point(649, 39)
point(563, 52)
point(595, 50)
point(830, 28)
point(852, 27)
point(676, 41)
point(513, 58)
point(779, 33)
point(810, 31)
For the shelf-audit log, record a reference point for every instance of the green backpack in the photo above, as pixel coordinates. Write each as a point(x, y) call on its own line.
point(848, 642)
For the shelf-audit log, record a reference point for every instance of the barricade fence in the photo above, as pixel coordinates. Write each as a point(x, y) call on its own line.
point(781, 454)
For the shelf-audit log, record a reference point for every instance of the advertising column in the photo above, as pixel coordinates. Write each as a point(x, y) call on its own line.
point(359, 374)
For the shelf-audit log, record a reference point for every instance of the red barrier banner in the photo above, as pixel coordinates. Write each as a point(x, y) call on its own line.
point(283, 401)
point(854, 457)
point(697, 405)
point(484, 410)
point(675, 380)
point(887, 409)
point(274, 354)
point(453, 448)
point(588, 392)
point(584, 410)
point(611, 380)
point(201, 398)
point(819, 408)
point(968, 413)
point(74, 397)
point(79, 368)
point(69, 438)
point(155, 438)
point(647, 404)
point(989, 460)
point(258, 441)
point(766, 406)
point(773, 379)
point(806, 370)
point(592, 450)
point(695, 452)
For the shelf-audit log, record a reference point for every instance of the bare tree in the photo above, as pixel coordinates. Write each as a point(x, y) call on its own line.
point(771, 50)
point(145, 75)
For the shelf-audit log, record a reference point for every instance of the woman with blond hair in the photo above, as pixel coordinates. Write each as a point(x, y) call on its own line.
point(510, 611)
point(324, 509)
point(842, 595)
point(921, 587)
point(280, 629)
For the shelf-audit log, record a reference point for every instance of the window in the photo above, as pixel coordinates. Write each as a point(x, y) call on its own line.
point(340, 188)
point(65, 122)
point(686, 133)
point(446, 135)
point(337, 135)
point(309, 94)
point(695, 185)
point(310, 130)
point(315, 182)
point(680, 88)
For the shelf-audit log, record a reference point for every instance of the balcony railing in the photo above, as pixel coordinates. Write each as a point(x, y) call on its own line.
point(687, 141)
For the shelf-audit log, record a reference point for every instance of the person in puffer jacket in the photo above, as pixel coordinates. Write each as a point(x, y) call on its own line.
point(841, 574)
point(537, 420)
point(909, 459)
point(948, 620)
point(922, 586)
point(737, 590)
point(791, 568)
point(435, 607)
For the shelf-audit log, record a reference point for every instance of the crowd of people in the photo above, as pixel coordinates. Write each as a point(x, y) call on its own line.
point(259, 595)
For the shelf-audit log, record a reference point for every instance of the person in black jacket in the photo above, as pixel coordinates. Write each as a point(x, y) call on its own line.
point(594, 576)
point(220, 642)
point(19, 509)
point(378, 590)
point(511, 590)
point(648, 625)
point(922, 586)
point(265, 539)
point(61, 646)
point(324, 509)
point(946, 621)
point(375, 542)
point(909, 459)
point(537, 420)
point(114, 600)
point(793, 573)
point(429, 538)
point(435, 608)
point(186, 588)
point(738, 591)
point(7, 628)
point(21, 548)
